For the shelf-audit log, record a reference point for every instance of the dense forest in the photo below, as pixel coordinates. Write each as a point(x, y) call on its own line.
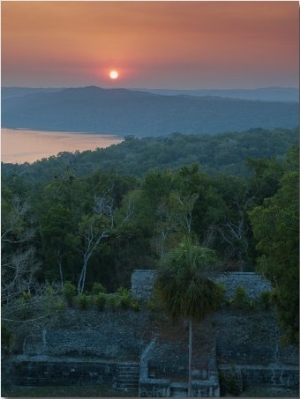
point(223, 153)
point(98, 215)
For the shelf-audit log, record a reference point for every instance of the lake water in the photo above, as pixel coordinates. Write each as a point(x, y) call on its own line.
point(22, 145)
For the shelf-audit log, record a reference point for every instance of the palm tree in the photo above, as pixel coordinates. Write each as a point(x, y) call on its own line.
point(184, 286)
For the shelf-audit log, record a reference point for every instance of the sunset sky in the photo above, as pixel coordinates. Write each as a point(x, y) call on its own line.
point(179, 45)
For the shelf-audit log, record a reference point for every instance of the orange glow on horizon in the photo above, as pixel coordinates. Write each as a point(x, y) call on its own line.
point(171, 44)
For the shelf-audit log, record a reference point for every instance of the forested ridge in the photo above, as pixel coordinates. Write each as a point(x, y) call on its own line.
point(122, 111)
point(94, 217)
point(222, 153)
point(278, 94)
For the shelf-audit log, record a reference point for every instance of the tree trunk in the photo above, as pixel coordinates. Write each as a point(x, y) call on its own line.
point(81, 282)
point(61, 273)
point(190, 357)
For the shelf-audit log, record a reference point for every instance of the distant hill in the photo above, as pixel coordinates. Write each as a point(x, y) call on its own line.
point(128, 112)
point(9, 92)
point(278, 94)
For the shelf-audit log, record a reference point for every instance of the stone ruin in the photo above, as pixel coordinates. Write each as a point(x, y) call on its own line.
point(142, 283)
point(269, 365)
point(110, 352)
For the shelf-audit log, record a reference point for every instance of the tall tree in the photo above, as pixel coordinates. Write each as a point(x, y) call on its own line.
point(92, 230)
point(275, 226)
point(185, 287)
point(18, 255)
point(233, 228)
point(174, 219)
point(59, 239)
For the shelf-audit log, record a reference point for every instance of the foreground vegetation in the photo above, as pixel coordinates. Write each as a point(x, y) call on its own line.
point(99, 226)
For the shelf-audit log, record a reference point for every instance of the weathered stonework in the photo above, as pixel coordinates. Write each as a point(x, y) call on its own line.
point(150, 386)
point(254, 284)
point(257, 375)
point(37, 371)
point(251, 338)
point(103, 340)
point(127, 349)
point(142, 283)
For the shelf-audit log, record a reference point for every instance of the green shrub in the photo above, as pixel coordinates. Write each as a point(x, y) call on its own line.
point(25, 309)
point(125, 301)
point(229, 385)
point(60, 306)
point(69, 291)
point(221, 290)
point(112, 302)
point(98, 288)
point(83, 301)
point(7, 337)
point(135, 305)
point(49, 291)
point(264, 300)
point(125, 297)
point(123, 291)
point(229, 302)
point(150, 305)
point(101, 301)
point(26, 295)
point(233, 387)
point(240, 295)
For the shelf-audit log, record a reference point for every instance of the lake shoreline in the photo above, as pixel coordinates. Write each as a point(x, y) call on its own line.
point(24, 145)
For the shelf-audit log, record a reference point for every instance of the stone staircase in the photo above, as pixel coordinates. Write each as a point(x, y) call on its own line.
point(128, 376)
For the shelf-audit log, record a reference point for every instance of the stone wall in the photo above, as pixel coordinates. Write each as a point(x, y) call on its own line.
point(85, 347)
point(154, 388)
point(162, 364)
point(251, 337)
point(142, 283)
point(170, 359)
point(88, 342)
point(274, 375)
point(254, 284)
point(244, 376)
point(165, 388)
point(207, 384)
point(47, 371)
point(105, 336)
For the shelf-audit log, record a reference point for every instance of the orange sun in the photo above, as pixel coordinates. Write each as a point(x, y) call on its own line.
point(113, 74)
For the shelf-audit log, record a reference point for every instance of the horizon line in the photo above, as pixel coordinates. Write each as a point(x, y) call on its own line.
point(148, 88)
